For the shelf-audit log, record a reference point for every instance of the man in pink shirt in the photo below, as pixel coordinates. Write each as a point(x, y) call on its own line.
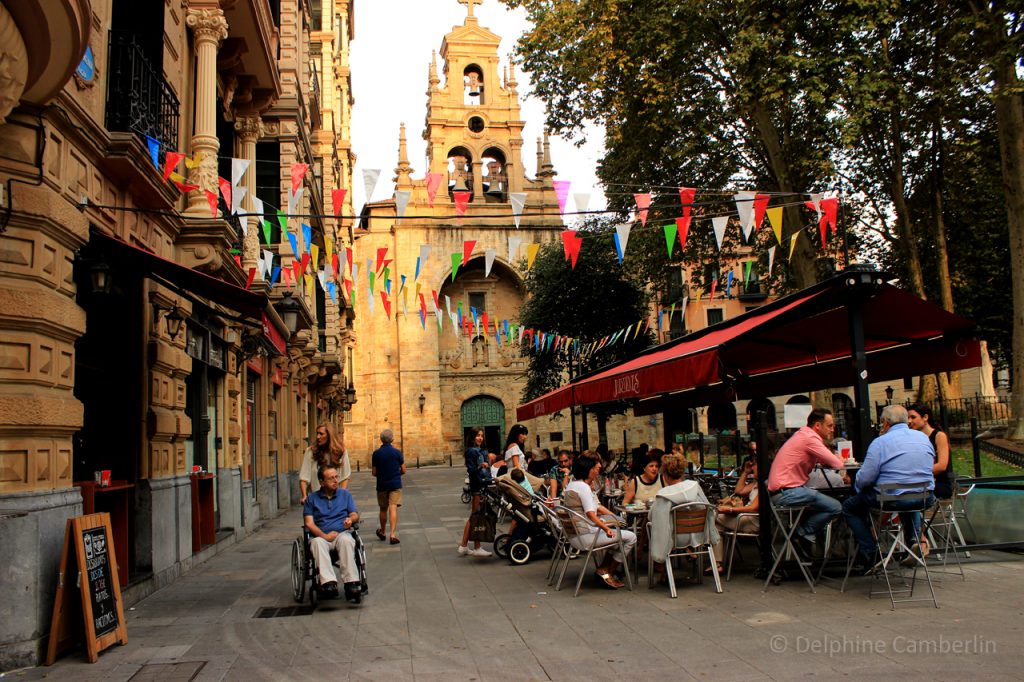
point(791, 468)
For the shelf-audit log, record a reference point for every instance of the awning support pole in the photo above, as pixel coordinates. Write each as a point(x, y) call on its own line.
point(764, 513)
point(861, 431)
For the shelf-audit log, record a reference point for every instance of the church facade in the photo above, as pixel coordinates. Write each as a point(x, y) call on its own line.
point(424, 376)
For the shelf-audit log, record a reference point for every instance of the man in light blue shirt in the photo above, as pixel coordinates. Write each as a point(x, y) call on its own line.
point(899, 455)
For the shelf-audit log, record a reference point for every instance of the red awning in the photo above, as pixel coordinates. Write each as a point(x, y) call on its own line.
point(798, 343)
point(125, 256)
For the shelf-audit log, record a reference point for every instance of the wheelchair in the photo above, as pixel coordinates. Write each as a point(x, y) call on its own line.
point(304, 568)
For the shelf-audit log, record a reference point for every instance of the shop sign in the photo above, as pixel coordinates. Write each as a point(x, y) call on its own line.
point(255, 364)
point(274, 336)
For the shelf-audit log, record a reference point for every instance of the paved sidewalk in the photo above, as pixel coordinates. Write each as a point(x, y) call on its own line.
point(432, 614)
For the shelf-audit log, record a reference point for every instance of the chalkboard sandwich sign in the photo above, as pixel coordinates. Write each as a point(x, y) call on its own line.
point(88, 567)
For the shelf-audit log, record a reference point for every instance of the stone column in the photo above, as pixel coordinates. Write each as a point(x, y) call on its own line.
point(209, 28)
point(249, 129)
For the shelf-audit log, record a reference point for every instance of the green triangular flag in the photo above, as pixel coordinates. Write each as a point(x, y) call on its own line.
point(670, 237)
point(373, 278)
point(265, 227)
point(671, 312)
point(747, 267)
point(456, 262)
point(282, 219)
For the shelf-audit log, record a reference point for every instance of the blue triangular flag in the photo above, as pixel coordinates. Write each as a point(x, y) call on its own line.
point(307, 235)
point(274, 275)
point(728, 284)
point(387, 286)
point(417, 275)
point(331, 290)
point(295, 246)
point(402, 286)
point(618, 247)
point(154, 150)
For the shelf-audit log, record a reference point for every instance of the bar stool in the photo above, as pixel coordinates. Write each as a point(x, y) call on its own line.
point(787, 520)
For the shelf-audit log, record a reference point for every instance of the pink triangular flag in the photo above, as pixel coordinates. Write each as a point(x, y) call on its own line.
point(298, 171)
point(643, 202)
point(571, 241)
point(338, 200)
point(433, 182)
point(467, 250)
point(562, 192)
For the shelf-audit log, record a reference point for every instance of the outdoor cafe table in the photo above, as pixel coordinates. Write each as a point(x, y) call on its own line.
point(636, 516)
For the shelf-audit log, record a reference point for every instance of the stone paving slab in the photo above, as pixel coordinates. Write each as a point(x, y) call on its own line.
point(433, 615)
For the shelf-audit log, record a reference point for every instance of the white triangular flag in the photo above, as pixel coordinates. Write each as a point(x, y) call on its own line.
point(745, 207)
point(816, 200)
point(322, 276)
point(424, 255)
point(623, 233)
point(355, 274)
point(440, 320)
point(719, 223)
point(582, 201)
point(402, 201)
point(370, 176)
point(489, 255)
point(518, 201)
point(238, 168)
point(513, 248)
point(294, 199)
point(268, 262)
point(455, 323)
point(257, 209)
point(369, 298)
point(448, 304)
point(771, 258)
point(236, 199)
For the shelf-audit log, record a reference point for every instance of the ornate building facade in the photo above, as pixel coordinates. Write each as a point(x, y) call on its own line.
point(138, 335)
point(429, 382)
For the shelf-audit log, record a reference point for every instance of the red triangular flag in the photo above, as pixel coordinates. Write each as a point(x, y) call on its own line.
point(381, 253)
point(296, 267)
point(467, 250)
point(830, 208)
point(334, 264)
point(348, 288)
point(686, 196)
point(643, 202)
point(337, 200)
point(461, 202)
point(252, 276)
point(683, 227)
point(225, 191)
point(348, 255)
point(760, 206)
point(305, 263)
point(437, 304)
point(171, 162)
point(484, 316)
point(238, 260)
point(823, 228)
point(186, 188)
point(714, 285)
point(387, 304)
point(298, 171)
point(211, 198)
point(286, 277)
point(571, 242)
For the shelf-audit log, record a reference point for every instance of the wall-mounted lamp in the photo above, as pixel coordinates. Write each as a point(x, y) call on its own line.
point(888, 394)
point(99, 277)
point(289, 309)
point(350, 394)
point(174, 319)
point(423, 401)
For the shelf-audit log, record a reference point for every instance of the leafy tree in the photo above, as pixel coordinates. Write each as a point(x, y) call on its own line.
point(593, 300)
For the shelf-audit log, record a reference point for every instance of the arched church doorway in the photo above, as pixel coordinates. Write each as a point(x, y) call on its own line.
point(488, 412)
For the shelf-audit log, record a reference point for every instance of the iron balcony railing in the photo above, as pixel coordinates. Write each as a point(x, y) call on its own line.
point(139, 100)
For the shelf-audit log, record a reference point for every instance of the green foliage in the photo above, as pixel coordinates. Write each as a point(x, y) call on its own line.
point(593, 300)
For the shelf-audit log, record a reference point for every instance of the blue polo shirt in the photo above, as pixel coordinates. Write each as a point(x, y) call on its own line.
point(388, 461)
point(902, 455)
point(329, 513)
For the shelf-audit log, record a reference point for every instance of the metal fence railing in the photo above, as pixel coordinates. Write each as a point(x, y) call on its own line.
point(956, 413)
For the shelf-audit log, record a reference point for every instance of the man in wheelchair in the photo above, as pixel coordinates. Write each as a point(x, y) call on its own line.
point(329, 515)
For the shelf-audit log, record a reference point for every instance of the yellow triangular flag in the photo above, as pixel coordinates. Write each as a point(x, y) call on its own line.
point(699, 293)
point(309, 286)
point(405, 302)
point(177, 177)
point(314, 251)
point(775, 219)
point(194, 162)
point(792, 244)
point(328, 250)
point(531, 254)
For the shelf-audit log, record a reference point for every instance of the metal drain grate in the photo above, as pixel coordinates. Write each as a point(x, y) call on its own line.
point(284, 611)
point(176, 672)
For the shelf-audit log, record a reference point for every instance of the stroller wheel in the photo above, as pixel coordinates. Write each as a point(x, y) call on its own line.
point(501, 544)
point(467, 497)
point(519, 553)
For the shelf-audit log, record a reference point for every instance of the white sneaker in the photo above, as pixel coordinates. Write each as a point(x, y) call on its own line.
point(464, 550)
point(479, 551)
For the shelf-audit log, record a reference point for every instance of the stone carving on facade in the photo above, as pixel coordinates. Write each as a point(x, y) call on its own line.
point(13, 64)
point(207, 24)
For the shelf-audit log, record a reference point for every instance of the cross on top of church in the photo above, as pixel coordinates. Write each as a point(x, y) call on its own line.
point(470, 3)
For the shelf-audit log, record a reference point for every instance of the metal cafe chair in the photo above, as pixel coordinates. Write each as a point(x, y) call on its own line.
point(787, 520)
point(562, 550)
point(572, 521)
point(944, 536)
point(691, 520)
point(889, 531)
point(731, 537)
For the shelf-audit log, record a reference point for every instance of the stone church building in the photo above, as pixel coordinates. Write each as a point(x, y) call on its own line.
point(429, 382)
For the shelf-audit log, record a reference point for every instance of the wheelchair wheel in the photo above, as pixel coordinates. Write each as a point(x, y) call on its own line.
point(361, 567)
point(519, 552)
point(467, 497)
point(298, 570)
point(501, 544)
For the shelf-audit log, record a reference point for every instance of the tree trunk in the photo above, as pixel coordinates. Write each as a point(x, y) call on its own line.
point(949, 385)
point(1010, 123)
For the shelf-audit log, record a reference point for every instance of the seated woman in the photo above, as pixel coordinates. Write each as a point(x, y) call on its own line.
point(640, 489)
point(676, 491)
point(728, 514)
point(585, 469)
point(919, 418)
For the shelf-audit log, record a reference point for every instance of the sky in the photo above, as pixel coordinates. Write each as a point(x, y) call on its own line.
point(389, 59)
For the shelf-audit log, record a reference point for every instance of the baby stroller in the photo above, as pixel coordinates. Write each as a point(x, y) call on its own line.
point(531, 533)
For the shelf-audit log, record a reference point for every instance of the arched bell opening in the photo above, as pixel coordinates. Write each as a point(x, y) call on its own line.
point(495, 179)
point(460, 172)
point(473, 85)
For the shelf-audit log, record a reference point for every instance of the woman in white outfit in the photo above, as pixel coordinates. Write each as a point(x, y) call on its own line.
point(585, 470)
point(328, 451)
